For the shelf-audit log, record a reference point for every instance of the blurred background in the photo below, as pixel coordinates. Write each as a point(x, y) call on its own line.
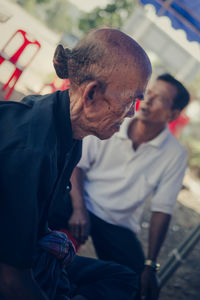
point(42, 24)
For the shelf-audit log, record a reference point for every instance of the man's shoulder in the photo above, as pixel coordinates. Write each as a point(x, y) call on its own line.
point(13, 123)
point(26, 104)
point(92, 140)
point(173, 149)
point(41, 101)
point(175, 143)
point(26, 123)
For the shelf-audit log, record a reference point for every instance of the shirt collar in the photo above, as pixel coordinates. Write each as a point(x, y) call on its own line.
point(160, 139)
point(156, 142)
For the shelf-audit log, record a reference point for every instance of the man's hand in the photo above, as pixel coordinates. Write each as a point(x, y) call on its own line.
point(79, 225)
point(149, 284)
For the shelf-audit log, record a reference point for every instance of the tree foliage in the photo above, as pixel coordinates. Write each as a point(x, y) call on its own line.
point(114, 15)
point(29, 4)
point(55, 13)
point(58, 17)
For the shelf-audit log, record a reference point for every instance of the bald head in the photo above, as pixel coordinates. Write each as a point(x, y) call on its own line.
point(116, 44)
point(101, 52)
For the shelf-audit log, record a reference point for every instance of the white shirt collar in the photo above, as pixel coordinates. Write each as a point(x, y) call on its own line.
point(156, 142)
point(159, 140)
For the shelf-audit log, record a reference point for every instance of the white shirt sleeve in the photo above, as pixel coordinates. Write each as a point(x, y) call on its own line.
point(89, 152)
point(170, 184)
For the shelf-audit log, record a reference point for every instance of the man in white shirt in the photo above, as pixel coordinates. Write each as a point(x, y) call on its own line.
point(116, 176)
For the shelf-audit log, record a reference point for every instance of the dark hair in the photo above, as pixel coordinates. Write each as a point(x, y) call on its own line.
point(60, 61)
point(77, 64)
point(182, 97)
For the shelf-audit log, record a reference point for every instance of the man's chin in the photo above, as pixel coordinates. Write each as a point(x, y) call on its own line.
point(105, 136)
point(143, 118)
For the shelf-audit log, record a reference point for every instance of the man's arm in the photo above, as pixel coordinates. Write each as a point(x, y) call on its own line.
point(163, 202)
point(79, 224)
point(157, 232)
point(79, 220)
point(158, 228)
point(18, 284)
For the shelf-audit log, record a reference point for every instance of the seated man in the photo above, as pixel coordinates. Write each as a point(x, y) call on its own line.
point(40, 146)
point(115, 177)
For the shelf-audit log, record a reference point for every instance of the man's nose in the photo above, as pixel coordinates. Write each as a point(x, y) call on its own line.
point(148, 99)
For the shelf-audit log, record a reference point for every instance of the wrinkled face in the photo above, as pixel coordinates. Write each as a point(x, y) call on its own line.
point(157, 104)
point(118, 101)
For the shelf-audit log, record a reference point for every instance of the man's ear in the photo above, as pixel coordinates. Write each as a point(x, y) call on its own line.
point(174, 115)
point(89, 93)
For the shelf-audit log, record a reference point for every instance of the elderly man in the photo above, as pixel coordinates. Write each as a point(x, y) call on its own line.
point(40, 146)
point(115, 177)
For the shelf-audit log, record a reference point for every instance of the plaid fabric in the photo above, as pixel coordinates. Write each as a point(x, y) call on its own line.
point(58, 244)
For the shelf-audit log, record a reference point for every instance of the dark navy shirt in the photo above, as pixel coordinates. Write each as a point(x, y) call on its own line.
point(37, 157)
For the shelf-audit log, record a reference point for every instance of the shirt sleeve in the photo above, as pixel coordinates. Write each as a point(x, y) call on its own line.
point(89, 152)
point(19, 182)
point(170, 184)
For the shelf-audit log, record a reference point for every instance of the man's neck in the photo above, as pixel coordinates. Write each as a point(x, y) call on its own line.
point(141, 132)
point(77, 130)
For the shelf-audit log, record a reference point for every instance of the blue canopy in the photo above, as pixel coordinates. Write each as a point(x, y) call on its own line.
point(184, 14)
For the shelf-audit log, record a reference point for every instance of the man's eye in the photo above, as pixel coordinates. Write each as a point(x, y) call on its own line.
point(159, 98)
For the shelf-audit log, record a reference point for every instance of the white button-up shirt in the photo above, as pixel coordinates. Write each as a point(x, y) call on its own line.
point(119, 179)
